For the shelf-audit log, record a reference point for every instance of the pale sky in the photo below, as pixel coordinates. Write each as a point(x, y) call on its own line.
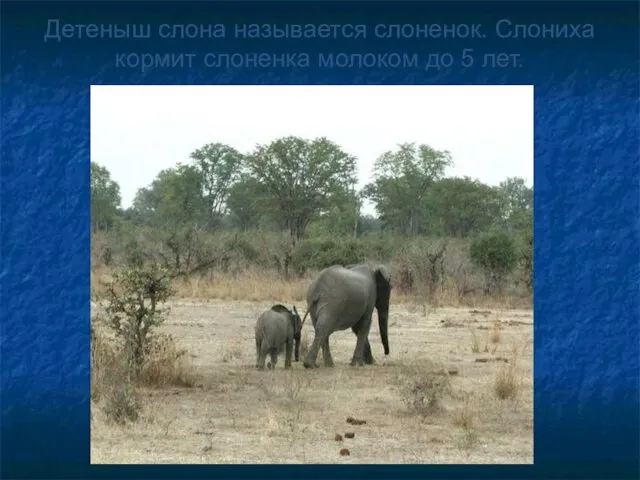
point(136, 131)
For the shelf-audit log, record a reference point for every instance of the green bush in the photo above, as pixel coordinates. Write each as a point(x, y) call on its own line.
point(246, 250)
point(526, 260)
point(380, 247)
point(495, 253)
point(134, 306)
point(322, 253)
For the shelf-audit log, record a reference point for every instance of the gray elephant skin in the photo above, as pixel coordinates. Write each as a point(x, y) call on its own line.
point(345, 297)
point(277, 330)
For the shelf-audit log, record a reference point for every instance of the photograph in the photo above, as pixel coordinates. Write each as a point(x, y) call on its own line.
point(312, 274)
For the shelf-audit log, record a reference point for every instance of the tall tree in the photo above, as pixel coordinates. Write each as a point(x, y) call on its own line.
point(105, 198)
point(175, 206)
point(342, 217)
point(246, 203)
point(219, 166)
point(173, 199)
point(402, 179)
point(516, 200)
point(459, 207)
point(303, 177)
point(368, 224)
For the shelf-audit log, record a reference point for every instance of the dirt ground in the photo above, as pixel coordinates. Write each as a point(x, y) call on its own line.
point(432, 400)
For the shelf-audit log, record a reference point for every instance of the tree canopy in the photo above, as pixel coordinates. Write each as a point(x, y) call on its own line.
point(304, 178)
point(105, 198)
point(309, 187)
point(403, 180)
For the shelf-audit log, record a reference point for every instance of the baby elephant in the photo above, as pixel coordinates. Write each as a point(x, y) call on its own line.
point(276, 330)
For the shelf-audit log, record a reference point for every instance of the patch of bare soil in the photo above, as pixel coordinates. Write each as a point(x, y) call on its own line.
point(456, 388)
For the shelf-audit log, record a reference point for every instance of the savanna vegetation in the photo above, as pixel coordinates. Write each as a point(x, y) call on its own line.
point(289, 208)
point(256, 226)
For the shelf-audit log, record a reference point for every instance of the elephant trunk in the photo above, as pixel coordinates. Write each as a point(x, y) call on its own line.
point(383, 322)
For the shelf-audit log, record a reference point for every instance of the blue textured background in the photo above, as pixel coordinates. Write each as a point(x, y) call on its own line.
point(587, 215)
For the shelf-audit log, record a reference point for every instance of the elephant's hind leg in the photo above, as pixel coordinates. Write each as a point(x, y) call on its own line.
point(312, 354)
point(368, 355)
point(321, 335)
point(261, 357)
point(326, 354)
point(288, 353)
point(274, 358)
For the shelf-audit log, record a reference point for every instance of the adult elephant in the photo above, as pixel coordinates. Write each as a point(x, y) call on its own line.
point(345, 297)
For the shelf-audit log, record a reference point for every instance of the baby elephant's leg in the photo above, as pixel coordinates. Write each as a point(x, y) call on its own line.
point(260, 356)
point(274, 358)
point(288, 353)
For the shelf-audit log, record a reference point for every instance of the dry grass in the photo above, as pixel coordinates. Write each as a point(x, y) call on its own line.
point(494, 336)
point(166, 365)
point(508, 381)
point(262, 285)
point(113, 387)
point(464, 416)
point(475, 345)
point(231, 353)
point(122, 403)
point(423, 389)
point(491, 340)
point(104, 364)
point(429, 401)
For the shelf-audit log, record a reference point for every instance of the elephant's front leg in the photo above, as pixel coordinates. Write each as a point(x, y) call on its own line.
point(368, 355)
point(288, 353)
point(326, 354)
point(363, 333)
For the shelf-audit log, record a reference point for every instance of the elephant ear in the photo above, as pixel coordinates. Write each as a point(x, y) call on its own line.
point(296, 322)
point(280, 309)
point(383, 272)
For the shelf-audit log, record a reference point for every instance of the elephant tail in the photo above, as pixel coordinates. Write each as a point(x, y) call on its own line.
point(307, 313)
